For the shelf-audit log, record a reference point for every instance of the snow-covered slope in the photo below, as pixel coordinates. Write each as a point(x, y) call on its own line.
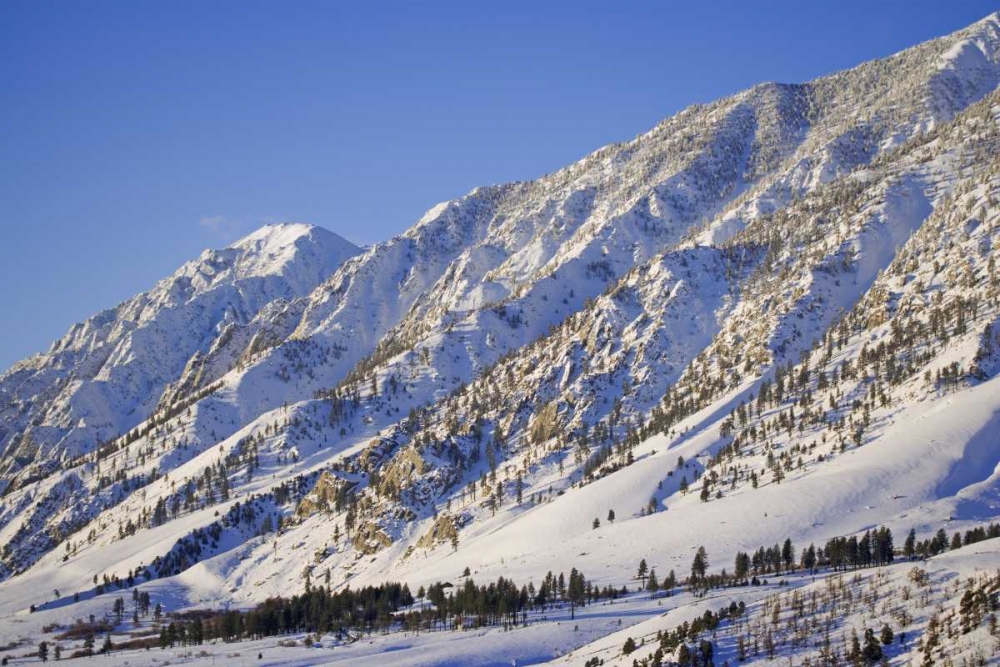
point(770, 317)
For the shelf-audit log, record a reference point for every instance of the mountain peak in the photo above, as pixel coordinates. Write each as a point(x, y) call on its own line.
point(275, 231)
point(273, 245)
point(279, 234)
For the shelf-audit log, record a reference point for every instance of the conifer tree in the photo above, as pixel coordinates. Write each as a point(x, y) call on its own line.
point(699, 565)
point(910, 547)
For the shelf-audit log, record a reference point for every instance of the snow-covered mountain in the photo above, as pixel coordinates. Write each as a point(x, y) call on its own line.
point(111, 372)
point(770, 317)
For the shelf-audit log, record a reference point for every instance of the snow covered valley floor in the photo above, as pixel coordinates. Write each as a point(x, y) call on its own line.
point(943, 607)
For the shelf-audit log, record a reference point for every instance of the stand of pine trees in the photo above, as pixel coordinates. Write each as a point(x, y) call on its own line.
point(504, 603)
point(377, 608)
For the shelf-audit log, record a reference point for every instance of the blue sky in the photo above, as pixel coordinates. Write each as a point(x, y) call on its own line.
point(136, 134)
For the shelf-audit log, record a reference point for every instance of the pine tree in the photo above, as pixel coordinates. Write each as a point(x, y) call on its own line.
point(742, 566)
point(809, 559)
point(700, 565)
point(576, 591)
point(197, 634)
point(854, 654)
point(769, 644)
point(788, 554)
point(910, 547)
point(873, 650)
point(966, 611)
point(931, 640)
point(684, 656)
point(670, 582)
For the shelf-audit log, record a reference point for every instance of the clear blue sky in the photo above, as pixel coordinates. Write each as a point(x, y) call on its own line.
point(135, 134)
